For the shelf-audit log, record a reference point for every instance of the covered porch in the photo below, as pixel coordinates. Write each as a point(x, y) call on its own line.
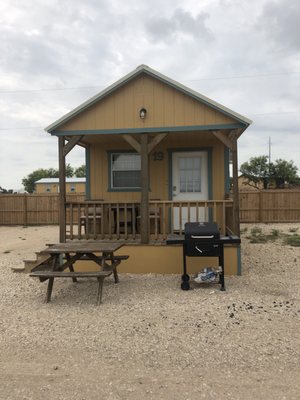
point(138, 215)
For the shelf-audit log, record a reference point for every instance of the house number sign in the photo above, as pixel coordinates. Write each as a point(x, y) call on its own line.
point(158, 156)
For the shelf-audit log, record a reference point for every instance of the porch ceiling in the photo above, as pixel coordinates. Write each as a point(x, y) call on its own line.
point(115, 138)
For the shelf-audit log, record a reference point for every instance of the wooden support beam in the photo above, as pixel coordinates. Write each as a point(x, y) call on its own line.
point(155, 141)
point(223, 138)
point(62, 190)
point(133, 142)
point(230, 141)
point(144, 189)
point(236, 207)
point(71, 143)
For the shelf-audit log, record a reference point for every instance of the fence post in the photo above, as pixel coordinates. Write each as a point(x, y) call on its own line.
point(25, 210)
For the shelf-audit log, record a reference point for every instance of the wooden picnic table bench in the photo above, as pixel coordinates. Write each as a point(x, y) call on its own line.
point(63, 256)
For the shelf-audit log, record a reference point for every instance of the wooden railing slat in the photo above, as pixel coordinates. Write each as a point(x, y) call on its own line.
point(108, 220)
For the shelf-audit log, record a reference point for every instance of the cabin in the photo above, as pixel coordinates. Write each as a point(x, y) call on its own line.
point(51, 185)
point(157, 156)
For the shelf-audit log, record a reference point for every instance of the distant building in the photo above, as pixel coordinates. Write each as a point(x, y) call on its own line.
point(243, 184)
point(51, 185)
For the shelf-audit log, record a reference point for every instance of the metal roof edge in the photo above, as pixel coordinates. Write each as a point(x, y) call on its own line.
point(94, 99)
point(56, 180)
point(198, 96)
point(140, 69)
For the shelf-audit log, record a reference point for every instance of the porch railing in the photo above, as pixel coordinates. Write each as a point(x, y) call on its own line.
point(100, 220)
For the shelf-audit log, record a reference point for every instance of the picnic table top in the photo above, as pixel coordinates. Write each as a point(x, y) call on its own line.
point(88, 247)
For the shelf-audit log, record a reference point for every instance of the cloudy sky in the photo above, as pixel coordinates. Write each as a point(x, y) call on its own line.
point(55, 54)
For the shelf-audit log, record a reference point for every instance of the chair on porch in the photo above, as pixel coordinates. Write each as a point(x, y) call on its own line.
point(91, 222)
point(154, 218)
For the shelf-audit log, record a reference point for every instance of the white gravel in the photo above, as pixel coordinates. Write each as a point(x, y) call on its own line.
point(149, 339)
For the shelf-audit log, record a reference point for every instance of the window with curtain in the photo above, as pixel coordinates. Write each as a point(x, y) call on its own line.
point(125, 170)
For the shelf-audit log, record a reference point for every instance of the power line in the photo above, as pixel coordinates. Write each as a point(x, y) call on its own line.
point(186, 80)
point(50, 90)
point(21, 128)
point(276, 113)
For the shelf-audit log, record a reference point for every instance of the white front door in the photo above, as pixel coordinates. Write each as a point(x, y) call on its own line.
point(189, 183)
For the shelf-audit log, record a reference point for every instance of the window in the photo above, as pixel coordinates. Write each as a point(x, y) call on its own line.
point(47, 187)
point(72, 188)
point(190, 174)
point(125, 170)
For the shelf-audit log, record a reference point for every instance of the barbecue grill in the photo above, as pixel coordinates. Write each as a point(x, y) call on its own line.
point(202, 239)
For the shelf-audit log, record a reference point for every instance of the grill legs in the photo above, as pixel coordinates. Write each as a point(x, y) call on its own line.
point(185, 278)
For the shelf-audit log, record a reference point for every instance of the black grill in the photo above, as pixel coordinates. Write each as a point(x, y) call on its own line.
point(200, 239)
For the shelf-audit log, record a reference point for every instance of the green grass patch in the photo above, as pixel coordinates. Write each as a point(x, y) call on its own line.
point(257, 235)
point(292, 240)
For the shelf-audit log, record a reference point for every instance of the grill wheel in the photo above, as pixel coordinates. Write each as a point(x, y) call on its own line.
point(185, 286)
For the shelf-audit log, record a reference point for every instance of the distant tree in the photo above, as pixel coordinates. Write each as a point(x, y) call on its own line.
point(259, 171)
point(80, 172)
point(283, 172)
point(256, 171)
point(5, 191)
point(69, 171)
point(29, 181)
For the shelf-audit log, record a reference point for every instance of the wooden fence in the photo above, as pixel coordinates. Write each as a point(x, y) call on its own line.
point(32, 209)
point(270, 206)
point(255, 206)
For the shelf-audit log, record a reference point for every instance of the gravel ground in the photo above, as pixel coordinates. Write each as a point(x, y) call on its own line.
point(149, 339)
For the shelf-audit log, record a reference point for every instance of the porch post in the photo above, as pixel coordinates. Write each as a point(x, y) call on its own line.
point(144, 189)
point(62, 190)
point(235, 185)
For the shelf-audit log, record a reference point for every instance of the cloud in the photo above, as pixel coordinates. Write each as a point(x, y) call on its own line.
point(182, 25)
point(280, 23)
point(64, 43)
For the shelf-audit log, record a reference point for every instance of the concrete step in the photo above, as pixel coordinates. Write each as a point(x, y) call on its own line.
point(30, 264)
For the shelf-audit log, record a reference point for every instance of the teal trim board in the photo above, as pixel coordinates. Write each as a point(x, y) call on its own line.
point(148, 130)
point(226, 170)
point(239, 261)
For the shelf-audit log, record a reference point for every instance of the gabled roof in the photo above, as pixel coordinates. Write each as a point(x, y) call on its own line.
point(144, 69)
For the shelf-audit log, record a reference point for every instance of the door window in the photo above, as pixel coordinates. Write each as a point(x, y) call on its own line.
point(190, 174)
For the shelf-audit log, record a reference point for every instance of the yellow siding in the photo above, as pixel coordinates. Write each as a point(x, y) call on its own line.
point(167, 260)
point(41, 188)
point(159, 170)
point(165, 107)
point(79, 187)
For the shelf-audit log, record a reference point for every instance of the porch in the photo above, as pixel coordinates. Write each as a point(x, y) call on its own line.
point(100, 220)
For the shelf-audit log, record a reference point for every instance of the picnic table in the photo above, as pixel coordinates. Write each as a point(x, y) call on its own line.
point(63, 256)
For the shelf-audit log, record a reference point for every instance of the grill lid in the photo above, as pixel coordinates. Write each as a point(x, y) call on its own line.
point(201, 230)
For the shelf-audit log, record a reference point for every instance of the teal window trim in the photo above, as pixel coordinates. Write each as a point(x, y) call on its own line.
point(239, 261)
point(110, 188)
point(88, 173)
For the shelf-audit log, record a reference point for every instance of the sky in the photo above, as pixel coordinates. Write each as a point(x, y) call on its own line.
point(55, 54)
